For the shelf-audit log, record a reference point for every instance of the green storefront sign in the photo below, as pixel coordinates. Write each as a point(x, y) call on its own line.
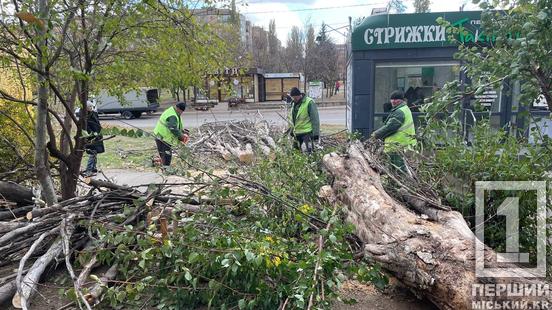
point(416, 30)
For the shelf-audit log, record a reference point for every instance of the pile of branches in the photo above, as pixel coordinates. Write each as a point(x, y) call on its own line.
point(34, 237)
point(236, 139)
point(83, 231)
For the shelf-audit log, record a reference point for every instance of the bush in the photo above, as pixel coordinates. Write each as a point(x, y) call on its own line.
point(493, 155)
point(257, 249)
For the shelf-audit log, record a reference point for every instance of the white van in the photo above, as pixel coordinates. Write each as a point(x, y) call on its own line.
point(132, 105)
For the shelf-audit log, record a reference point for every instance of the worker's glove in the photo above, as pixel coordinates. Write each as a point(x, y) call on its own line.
point(184, 139)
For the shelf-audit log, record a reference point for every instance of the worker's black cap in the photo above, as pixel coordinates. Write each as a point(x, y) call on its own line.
point(397, 94)
point(295, 92)
point(181, 105)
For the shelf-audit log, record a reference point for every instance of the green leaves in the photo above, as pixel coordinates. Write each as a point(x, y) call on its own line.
point(253, 259)
point(542, 15)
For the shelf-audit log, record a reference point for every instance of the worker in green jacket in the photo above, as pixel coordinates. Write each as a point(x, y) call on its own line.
point(305, 123)
point(169, 132)
point(398, 132)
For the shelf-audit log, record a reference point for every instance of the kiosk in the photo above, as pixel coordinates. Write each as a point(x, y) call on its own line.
point(412, 53)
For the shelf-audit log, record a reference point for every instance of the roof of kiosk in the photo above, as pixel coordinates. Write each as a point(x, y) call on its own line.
point(390, 31)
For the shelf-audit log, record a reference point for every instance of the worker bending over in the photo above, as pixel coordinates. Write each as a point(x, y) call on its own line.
point(305, 123)
point(169, 132)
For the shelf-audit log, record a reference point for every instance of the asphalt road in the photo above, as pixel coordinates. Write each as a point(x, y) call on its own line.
point(328, 116)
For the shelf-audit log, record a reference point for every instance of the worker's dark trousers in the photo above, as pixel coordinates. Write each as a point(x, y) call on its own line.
point(165, 152)
point(306, 139)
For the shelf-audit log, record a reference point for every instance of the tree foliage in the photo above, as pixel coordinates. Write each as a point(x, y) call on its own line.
point(519, 49)
point(258, 253)
point(512, 47)
point(76, 48)
point(15, 149)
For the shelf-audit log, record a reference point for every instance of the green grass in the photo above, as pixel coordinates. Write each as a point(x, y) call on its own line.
point(125, 152)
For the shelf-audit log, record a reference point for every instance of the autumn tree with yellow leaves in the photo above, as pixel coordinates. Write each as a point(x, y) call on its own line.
point(74, 48)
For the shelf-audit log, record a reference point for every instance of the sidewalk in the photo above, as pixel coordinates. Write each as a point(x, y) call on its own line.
point(334, 101)
point(278, 104)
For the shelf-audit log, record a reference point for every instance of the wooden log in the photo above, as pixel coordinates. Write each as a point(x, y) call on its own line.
point(435, 258)
point(87, 268)
point(232, 150)
point(245, 157)
point(106, 184)
point(23, 230)
point(9, 226)
point(16, 193)
point(27, 286)
point(95, 292)
point(66, 230)
point(14, 213)
point(7, 290)
point(218, 148)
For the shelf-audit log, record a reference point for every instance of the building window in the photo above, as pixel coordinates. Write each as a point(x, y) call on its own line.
point(418, 81)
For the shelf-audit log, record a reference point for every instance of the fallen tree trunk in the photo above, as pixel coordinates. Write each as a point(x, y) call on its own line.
point(16, 193)
point(434, 255)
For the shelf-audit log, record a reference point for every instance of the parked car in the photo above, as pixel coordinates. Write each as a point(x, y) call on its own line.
point(203, 103)
point(131, 105)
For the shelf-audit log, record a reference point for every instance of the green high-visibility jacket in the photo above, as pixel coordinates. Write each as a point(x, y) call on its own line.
point(163, 129)
point(304, 117)
point(399, 130)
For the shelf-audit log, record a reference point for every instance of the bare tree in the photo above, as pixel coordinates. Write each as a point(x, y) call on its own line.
point(309, 61)
point(322, 57)
point(397, 5)
point(260, 47)
point(274, 47)
point(293, 55)
point(421, 6)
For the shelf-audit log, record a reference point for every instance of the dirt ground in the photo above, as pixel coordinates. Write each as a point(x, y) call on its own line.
point(359, 296)
point(367, 297)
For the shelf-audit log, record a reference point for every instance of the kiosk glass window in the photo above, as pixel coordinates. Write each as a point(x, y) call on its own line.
point(248, 87)
point(417, 80)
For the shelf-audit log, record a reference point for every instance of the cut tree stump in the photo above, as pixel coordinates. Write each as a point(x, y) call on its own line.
point(433, 255)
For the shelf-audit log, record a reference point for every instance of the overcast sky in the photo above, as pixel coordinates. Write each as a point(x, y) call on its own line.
point(288, 13)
